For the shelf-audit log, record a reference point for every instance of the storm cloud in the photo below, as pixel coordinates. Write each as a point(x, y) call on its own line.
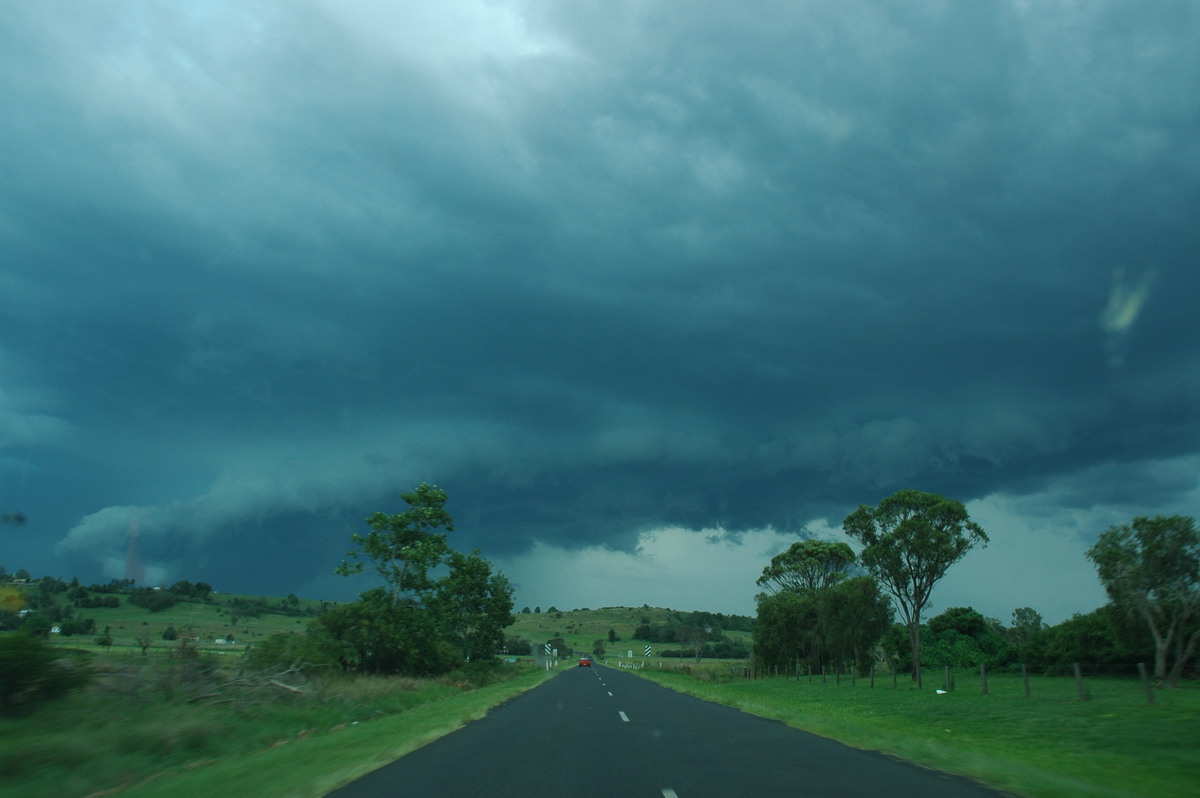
point(609, 273)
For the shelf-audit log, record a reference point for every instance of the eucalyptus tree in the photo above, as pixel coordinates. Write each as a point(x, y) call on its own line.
point(1150, 568)
point(440, 606)
point(808, 566)
point(909, 542)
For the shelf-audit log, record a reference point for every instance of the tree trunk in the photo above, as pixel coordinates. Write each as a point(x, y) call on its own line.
point(1181, 660)
point(914, 639)
point(1161, 646)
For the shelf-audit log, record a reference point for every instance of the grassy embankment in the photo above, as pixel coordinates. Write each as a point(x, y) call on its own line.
point(141, 731)
point(1049, 745)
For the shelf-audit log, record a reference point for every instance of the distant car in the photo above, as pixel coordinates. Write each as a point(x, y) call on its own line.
point(585, 662)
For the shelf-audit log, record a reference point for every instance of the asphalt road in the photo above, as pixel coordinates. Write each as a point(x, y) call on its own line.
point(603, 732)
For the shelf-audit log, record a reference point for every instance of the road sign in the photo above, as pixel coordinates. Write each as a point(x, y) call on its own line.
point(547, 649)
point(647, 651)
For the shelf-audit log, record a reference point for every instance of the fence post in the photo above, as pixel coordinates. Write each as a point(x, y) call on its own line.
point(1079, 683)
point(1146, 682)
point(947, 685)
point(1025, 679)
point(983, 677)
point(893, 677)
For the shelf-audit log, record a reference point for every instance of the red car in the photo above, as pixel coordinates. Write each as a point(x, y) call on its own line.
point(585, 662)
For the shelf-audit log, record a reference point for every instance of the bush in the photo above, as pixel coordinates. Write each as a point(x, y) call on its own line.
point(153, 600)
point(32, 673)
point(518, 646)
point(308, 653)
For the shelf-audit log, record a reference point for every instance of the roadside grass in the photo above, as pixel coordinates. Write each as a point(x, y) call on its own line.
point(139, 742)
point(1048, 745)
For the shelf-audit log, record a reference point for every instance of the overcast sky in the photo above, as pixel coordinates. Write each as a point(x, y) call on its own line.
point(652, 289)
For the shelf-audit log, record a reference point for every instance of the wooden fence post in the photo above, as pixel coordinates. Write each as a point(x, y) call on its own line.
point(1079, 683)
point(1025, 679)
point(947, 685)
point(983, 677)
point(1146, 682)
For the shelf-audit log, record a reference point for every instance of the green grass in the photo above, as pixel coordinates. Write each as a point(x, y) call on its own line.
point(1049, 745)
point(130, 739)
point(207, 620)
point(580, 628)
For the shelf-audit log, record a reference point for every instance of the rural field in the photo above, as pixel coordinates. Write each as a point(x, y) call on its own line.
point(1047, 745)
point(155, 723)
point(208, 622)
point(580, 628)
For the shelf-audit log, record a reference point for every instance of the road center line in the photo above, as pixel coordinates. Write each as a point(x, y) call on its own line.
point(624, 717)
point(610, 693)
point(669, 793)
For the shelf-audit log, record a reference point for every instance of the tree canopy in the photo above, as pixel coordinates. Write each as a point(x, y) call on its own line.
point(441, 607)
point(1151, 569)
point(909, 542)
point(808, 566)
point(404, 547)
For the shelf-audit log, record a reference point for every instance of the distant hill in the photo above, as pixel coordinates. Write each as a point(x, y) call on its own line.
point(239, 619)
point(580, 628)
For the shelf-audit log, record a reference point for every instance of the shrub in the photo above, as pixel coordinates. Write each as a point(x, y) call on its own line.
point(32, 673)
point(308, 653)
point(153, 600)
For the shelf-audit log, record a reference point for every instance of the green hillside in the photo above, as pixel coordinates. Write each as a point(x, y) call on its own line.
point(228, 623)
point(239, 620)
point(580, 628)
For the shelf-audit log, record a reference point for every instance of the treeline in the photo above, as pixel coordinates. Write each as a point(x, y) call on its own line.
point(816, 614)
point(1104, 640)
point(703, 634)
point(440, 610)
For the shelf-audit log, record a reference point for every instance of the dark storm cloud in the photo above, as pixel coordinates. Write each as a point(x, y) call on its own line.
point(593, 267)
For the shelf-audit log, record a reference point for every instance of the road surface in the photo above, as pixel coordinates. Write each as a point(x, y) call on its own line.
point(603, 732)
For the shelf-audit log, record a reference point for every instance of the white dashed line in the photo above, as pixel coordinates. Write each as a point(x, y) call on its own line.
point(669, 793)
point(610, 693)
point(624, 717)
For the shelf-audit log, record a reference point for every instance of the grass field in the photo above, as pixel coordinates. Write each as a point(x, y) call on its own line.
point(1047, 745)
point(132, 738)
point(209, 621)
point(1044, 746)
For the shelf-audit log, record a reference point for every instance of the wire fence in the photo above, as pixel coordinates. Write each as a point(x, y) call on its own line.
point(944, 679)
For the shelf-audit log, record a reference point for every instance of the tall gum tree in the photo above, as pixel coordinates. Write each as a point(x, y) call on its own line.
point(909, 542)
point(1150, 568)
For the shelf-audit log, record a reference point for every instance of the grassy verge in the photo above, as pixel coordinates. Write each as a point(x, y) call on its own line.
point(103, 743)
point(1048, 745)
